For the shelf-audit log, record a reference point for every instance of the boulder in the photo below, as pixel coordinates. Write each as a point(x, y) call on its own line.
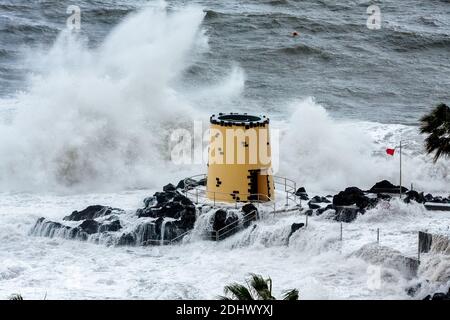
point(103, 222)
point(312, 205)
point(317, 199)
point(439, 296)
point(89, 226)
point(250, 212)
point(112, 226)
point(92, 212)
point(415, 196)
point(295, 227)
point(354, 196)
point(249, 207)
point(223, 218)
point(169, 188)
point(348, 197)
point(385, 186)
point(167, 204)
point(301, 193)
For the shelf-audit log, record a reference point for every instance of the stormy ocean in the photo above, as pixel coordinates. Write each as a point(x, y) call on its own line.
point(86, 115)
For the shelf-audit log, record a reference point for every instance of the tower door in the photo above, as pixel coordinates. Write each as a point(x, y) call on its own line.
point(258, 185)
point(253, 184)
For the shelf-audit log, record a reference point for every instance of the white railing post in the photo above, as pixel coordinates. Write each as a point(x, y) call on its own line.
point(287, 199)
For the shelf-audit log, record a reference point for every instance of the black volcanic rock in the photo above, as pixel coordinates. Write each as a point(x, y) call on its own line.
point(313, 205)
point(386, 186)
point(301, 193)
point(164, 217)
point(315, 199)
point(226, 223)
point(169, 187)
point(167, 204)
point(250, 212)
point(415, 196)
point(222, 218)
point(349, 196)
point(92, 212)
point(295, 227)
point(439, 296)
point(110, 227)
point(89, 226)
point(354, 196)
point(350, 202)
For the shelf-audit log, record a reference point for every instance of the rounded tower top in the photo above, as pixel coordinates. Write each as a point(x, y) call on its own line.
point(239, 119)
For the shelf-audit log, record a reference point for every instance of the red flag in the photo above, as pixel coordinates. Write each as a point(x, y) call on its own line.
point(390, 151)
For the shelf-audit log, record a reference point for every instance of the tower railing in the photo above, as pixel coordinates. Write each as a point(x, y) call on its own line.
point(198, 194)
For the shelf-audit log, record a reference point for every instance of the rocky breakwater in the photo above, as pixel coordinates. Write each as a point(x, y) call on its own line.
point(347, 204)
point(165, 217)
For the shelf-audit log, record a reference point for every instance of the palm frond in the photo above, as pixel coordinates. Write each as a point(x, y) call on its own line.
point(259, 285)
point(291, 295)
point(437, 125)
point(257, 289)
point(238, 291)
point(16, 296)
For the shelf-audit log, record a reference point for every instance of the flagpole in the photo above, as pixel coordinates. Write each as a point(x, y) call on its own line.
point(400, 169)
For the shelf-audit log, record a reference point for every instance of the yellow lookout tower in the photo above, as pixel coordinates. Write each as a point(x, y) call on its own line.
point(239, 163)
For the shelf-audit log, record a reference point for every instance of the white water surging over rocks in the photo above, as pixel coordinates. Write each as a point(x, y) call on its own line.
point(100, 118)
point(328, 154)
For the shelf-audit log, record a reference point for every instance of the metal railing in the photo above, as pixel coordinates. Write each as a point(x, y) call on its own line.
point(163, 241)
point(193, 190)
point(220, 234)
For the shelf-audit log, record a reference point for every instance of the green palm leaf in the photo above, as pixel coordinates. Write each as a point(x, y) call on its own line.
point(291, 295)
point(239, 292)
point(16, 297)
point(260, 287)
point(257, 288)
point(437, 125)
